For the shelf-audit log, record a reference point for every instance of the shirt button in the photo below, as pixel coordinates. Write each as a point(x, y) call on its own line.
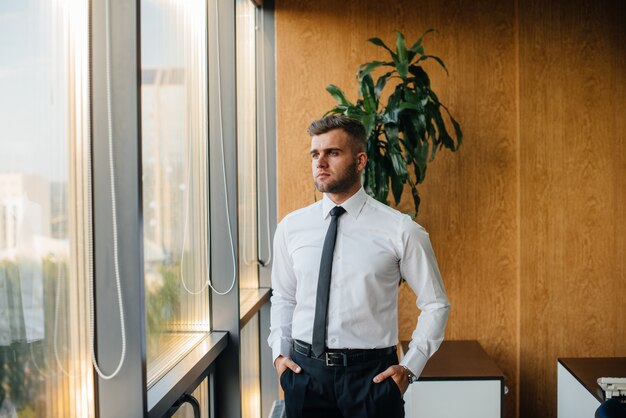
point(333, 340)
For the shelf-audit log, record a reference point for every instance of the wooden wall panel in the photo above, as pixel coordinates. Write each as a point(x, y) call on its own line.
point(529, 219)
point(573, 178)
point(470, 204)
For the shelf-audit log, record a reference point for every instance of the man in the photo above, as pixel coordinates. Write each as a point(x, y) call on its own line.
point(337, 263)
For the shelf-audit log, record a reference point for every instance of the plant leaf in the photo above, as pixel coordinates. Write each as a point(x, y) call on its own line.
point(417, 46)
point(382, 183)
point(338, 94)
point(370, 101)
point(367, 68)
point(370, 177)
point(421, 78)
point(439, 60)
point(402, 62)
point(444, 138)
point(397, 187)
point(394, 153)
point(416, 199)
point(420, 158)
point(410, 127)
point(398, 163)
point(415, 126)
point(339, 109)
point(457, 131)
point(415, 50)
point(368, 120)
point(379, 42)
point(408, 105)
point(392, 112)
point(382, 81)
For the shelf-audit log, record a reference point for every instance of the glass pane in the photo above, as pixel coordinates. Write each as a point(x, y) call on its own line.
point(175, 178)
point(246, 143)
point(45, 367)
point(250, 370)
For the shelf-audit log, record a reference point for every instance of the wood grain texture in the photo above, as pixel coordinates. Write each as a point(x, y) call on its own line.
point(529, 219)
point(469, 198)
point(573, 177)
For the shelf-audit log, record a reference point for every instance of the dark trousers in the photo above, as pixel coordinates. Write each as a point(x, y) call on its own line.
point(319, 391)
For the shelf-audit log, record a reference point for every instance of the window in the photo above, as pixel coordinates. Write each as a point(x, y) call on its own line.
point(245, 25)
point(44, 117)
point(174, 121)
point(247, 143)
point(62, 67)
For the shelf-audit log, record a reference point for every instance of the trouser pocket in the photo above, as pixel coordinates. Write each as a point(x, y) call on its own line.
point(294, 385)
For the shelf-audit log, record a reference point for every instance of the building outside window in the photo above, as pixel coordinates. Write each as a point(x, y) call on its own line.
point(174, 142)
point(52, 133)
point(45, 367)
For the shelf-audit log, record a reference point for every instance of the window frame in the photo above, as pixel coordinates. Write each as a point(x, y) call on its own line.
point(128, 388)
point(217, 357)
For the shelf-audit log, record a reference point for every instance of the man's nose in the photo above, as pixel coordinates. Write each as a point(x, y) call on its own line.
point(321, 161)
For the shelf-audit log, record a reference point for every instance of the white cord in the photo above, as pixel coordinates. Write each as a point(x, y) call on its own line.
point(182, 251)
point(267, 187)
point(221, 123)
point(230, 233)
point(114, 218)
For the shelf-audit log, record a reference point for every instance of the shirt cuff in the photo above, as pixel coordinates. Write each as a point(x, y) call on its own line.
point(415, 361)
point(281, 348)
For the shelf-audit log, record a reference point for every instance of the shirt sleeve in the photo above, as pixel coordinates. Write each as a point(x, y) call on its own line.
point(283, 296)
point(418, 266)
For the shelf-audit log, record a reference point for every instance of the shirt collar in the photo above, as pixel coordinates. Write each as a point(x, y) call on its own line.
point(353, 205)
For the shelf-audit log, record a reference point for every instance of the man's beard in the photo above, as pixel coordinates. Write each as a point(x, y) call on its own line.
point(343, 182)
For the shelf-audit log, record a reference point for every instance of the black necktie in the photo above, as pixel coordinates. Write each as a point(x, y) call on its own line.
point(323, 283)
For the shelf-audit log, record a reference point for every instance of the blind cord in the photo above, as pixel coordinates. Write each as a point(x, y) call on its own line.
point(186, 222)
point(114, 219)
point(221, 124)
point(186, 225)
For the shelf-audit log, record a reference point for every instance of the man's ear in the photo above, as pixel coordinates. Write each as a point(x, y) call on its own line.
point(361, 161)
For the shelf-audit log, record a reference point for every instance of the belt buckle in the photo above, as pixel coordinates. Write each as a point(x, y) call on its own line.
point(336, 359)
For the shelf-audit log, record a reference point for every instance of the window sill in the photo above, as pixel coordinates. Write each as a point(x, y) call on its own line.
point(188, 372)
point(172, 347)
point(250, 302)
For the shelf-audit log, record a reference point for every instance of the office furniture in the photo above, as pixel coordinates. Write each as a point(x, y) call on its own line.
point(578, 393)
point(460, 380)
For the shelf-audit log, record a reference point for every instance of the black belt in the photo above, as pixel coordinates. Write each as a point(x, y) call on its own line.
point(337, 358)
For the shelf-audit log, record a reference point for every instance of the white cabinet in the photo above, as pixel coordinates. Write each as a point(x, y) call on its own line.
point(578, 393)
point(460, 380)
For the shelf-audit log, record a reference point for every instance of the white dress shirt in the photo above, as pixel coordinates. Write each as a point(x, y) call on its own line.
point(375, 246)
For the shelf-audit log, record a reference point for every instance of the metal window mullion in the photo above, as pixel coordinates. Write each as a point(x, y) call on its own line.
point(266, 111)
point(124, 395)
point(266, 117)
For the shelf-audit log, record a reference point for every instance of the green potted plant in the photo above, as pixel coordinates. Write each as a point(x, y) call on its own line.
point(404, 133)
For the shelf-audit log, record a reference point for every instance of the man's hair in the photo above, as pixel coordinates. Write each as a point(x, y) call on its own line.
point(354, 129)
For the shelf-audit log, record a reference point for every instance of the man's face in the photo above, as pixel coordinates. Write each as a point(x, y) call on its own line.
point(336, 165)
